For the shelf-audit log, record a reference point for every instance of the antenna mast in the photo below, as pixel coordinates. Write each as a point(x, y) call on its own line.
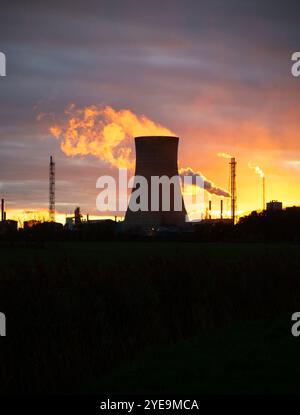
point(51, 190)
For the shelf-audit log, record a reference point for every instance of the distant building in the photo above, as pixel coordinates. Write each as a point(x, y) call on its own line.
point(8, 226)
point(49, 227)
point(95, 221)
point(77, 216)
point(214, 221)
point(274, 206)
point(69, 223)
point(31, 223)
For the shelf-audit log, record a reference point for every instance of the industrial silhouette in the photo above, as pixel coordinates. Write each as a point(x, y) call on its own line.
point(156, 156)
point(51, 190)
point(233, 188)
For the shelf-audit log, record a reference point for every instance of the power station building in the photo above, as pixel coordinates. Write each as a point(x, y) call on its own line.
point(274, 206)
point(156, 156)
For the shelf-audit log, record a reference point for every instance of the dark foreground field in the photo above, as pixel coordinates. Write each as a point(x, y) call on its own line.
point(144, 317)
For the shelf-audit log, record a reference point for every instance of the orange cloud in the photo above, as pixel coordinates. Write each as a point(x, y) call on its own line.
point(104, 132)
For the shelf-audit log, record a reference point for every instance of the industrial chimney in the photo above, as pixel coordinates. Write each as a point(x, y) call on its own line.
point(209, 209)
point(156, 156)
point(233, 188)
point(2, 210)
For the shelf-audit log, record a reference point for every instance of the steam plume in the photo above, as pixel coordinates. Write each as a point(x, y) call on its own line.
point(257, 170)
point(225, 155)
point(104, 132)
point(208, 185)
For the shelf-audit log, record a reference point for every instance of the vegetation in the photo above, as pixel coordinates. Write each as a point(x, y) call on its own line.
point(78, 311)
point(251, 358)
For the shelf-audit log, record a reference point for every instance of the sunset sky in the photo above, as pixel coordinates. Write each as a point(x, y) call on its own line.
point(215, 73)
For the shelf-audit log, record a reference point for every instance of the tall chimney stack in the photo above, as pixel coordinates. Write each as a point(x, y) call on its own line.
point(264, 192)
point(233, 187)
point(221, 209)
point(2, 210)
point(209, 209)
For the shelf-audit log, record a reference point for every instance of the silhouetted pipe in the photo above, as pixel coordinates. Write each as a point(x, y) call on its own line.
point(264, 192)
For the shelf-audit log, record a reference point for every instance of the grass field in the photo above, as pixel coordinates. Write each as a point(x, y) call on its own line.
point(80, 313)
point(254, 358)
point(127, 252)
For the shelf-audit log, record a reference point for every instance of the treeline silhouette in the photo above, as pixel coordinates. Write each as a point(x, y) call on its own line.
point(282, 225)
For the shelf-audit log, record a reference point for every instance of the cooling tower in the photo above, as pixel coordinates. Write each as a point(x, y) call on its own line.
point(157, 156)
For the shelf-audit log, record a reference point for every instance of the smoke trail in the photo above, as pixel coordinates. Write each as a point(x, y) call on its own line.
point(104, 132)
point(225, 155)
point(208, 185)
point(257, 169)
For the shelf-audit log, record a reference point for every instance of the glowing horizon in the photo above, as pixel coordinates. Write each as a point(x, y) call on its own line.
point(220, 85)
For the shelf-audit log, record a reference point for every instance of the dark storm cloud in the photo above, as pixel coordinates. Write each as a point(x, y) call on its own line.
point(153, 57)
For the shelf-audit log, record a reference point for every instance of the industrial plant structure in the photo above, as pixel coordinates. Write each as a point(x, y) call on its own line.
point(156, 156)
point(274, 206)
point(51, 190)
point(3, 213)
point(233, 188)
point(7, 225)
point(264, 191)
